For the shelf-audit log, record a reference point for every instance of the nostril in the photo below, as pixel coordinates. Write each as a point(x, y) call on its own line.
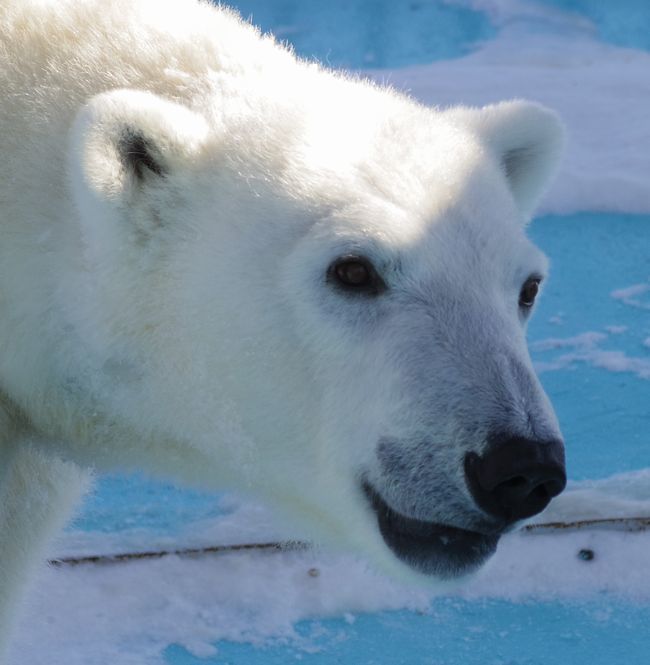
point(514, 483)
point(516, 478)
point(541, 492)
point(518, 496)
point(554, 487)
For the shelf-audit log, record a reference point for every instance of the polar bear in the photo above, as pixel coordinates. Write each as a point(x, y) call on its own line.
point(229, 267)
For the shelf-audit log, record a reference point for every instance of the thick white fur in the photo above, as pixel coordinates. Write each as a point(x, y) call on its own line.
point(183, 325)
point(36, 500)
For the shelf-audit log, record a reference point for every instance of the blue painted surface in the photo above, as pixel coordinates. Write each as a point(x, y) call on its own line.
point(371, 33)
point(364, 34)
point(605, 415)
point(458, 632)
point(625, 23)
point(123, 502)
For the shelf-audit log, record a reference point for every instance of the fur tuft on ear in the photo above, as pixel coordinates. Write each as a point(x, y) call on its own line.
point(137, 155)
point(124, 140)
point(526, 138)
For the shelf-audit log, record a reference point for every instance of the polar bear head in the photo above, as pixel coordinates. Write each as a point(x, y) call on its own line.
point(324, 300)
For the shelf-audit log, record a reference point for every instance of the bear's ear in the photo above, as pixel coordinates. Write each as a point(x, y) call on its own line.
point(126, 140)
point(527, 139)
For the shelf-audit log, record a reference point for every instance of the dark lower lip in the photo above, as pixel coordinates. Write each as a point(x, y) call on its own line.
point(431, 548)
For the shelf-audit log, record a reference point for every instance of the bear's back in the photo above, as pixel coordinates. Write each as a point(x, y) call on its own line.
point(55, 54)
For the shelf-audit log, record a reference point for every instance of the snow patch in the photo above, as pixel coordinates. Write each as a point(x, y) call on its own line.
point(630, 291)
point(584, 341)
point(585, 349)
point(602, 93)
point(630, 295)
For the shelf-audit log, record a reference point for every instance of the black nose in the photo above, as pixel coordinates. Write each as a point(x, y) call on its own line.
point(516, 477)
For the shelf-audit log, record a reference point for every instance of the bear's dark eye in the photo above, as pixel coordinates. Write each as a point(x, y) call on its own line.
point(355, 274)
point(529, 292)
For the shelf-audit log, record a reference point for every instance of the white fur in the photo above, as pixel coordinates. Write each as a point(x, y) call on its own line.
point(182, 324)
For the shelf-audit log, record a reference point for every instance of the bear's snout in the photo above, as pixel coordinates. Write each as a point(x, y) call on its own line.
point(516, 477)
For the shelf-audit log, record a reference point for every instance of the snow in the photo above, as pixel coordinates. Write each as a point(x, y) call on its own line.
point(629, 295)
point(233, 522)
point(620, 495)
point(629, 292)
point(129, 613)
point(585, 342)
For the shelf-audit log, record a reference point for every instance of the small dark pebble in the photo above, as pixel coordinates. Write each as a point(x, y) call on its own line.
point(586, 555)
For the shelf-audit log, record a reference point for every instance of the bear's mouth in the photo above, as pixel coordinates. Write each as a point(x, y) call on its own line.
point(431, 548)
